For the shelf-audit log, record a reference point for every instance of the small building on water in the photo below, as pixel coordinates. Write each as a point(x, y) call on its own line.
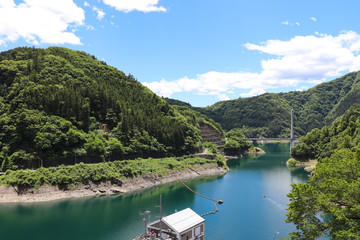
point(182, 225)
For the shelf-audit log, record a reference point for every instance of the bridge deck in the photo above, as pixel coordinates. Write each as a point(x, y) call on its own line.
point(270, 139)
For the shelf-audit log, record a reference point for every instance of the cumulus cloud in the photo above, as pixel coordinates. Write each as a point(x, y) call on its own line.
point(40, 21)
point(313, 19)
point(135, 5)
point(100, 13)
point(302, 59)
point(253, 92)
point(310, 58)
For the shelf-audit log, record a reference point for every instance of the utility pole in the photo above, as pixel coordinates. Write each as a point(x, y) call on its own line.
point(144, 215)
point(160, 218)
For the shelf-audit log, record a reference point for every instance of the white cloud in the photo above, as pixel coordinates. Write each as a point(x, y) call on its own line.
point(135, 5)
point(253, 92)
point(287, 23)
point(313, 19)
point(90, 28)
point(40, 21)
point(309, 58)
point(7, 3)
point(222, 97)
point(302, 59)
point(100, 13)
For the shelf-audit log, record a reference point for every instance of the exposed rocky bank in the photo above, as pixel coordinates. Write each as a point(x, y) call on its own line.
point(50, 193)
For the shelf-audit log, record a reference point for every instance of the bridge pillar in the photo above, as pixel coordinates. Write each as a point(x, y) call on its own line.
point(292, 125)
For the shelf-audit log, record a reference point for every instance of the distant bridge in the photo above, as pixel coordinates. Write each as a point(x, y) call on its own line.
point(261, 140)
point(291, 139)
point(270, 139)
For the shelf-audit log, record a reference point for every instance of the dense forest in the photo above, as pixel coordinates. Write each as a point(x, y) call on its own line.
point(59, 106)
point(329, 205)
point(268, 115)
point(342, 133)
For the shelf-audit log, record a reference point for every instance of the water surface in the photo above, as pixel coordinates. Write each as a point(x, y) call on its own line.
point(245, 214)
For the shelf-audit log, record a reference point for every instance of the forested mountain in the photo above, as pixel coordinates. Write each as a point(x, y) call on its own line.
point(342, 133)
point(176, 102)
point(268, 115)
point(329, 204)
point(63, 106)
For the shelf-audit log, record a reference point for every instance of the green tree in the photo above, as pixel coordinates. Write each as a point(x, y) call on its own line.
point(5, 161)
point(329, 205)
point(232, 147)
point(235, 143)
point(95, 145)
point(116, 148)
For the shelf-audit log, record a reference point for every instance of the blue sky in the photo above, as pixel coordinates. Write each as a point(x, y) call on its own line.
point(198, 51)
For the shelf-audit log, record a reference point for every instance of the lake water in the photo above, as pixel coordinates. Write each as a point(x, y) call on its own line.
point(245, 214)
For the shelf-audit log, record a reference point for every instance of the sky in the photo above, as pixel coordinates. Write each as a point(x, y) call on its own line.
point(198, 51)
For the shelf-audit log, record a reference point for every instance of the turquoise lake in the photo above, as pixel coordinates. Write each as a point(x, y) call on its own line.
point(245, 214)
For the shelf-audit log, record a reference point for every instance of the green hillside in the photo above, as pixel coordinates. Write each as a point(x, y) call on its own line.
point(268, 115)
point(329, 204)
point(59, 106)
point(342, 133)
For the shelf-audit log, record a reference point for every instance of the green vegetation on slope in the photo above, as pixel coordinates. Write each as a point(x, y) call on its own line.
point(59, 106)
point(344, 132)
point(268, 115)
point(79, 174)
point(329, 205)
point(235, 144)
point(196, 118)
point(176, 102)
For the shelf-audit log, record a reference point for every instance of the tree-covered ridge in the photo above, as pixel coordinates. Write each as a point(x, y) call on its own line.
point(342, 133)
point(329, 205)
point(176, 102)
point(196, 118)
point(268, 115)
point(62, 106)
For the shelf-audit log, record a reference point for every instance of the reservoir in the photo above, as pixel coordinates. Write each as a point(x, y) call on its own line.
point(254, 208)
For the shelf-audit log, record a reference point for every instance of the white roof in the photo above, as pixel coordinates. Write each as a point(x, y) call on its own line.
point(183, 220)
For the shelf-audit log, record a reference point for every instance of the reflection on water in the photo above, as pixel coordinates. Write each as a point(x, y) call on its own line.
point(245, 214)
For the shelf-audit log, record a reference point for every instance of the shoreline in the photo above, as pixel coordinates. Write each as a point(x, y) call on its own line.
point(308, 165)
point(254, 150)
point(51, 193)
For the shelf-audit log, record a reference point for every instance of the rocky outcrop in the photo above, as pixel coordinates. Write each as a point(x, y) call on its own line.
point(210, 134)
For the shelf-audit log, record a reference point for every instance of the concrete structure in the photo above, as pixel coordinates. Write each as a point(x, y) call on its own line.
point(292, 139)
point(183, 225)
point(292, 125)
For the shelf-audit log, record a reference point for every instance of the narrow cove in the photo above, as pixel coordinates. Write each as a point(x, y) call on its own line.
point(254, 195)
